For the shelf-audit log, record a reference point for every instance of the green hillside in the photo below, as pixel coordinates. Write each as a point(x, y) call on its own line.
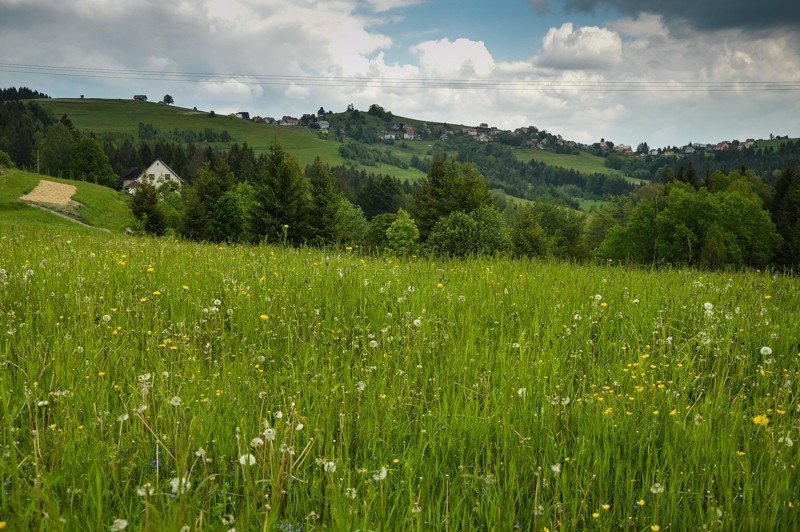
point(124, 116)
point(100, 207)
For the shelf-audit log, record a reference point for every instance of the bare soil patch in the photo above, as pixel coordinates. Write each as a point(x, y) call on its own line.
point(55, 196)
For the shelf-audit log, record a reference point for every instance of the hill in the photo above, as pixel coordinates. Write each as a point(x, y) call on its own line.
point(95, 206)
point(122, 118)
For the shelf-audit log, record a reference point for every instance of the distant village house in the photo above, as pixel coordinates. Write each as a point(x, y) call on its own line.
point(156, 174)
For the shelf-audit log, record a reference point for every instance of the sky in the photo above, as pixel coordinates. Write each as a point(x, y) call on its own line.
point(630, 71)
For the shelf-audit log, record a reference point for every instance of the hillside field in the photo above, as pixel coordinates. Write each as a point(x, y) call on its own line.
point(99, 206)
point(165, 384)
point(124, 116)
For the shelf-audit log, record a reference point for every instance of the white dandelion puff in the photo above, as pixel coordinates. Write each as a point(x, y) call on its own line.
point(380, 474)
point(176, 401)
point(180, 485)
point(118, 524)
point(247, 459)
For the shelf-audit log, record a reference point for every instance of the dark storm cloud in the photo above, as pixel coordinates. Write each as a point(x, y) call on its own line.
point(703, 14)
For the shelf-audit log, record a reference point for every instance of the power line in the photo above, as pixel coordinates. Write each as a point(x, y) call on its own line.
point(403, 83)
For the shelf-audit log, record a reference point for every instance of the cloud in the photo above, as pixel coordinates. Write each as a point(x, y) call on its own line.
point(703, 15)
point(380, 6)
point(588, 47)
point(461, 58)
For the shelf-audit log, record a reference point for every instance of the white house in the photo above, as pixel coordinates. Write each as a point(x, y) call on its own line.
point(156, 174)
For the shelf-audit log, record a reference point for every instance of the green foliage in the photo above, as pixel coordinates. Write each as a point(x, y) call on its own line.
point(402, 235)
point(712, 229)
point(201, 200)
point(375, 235)
point(528, 238)
point(352, 223)
point(228, 223)
point(786, 215)
point(88, 162)
point(281, 203)
point(5, 160)
point(369, 156)
point(450, 187)
point(147, 211)
point(459, 234)
point(562, 225)
point(56, 150)
point(326, 203)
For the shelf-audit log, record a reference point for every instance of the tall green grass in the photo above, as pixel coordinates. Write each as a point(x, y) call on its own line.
point(174, 385)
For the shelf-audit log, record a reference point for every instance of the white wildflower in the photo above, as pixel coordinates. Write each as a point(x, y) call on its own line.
point(118, 524)
point(379, 475)
point(256, 442)
point(522, 392)
point(351, 493)
point(556, 468)
point(180, 485)
point(176, 401)
point(123, 417)
point(145, 490)
point(766, 351)
point(247, 460)
point(329, 467)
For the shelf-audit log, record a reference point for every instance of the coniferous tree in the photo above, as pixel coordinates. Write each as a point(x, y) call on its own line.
point(324, 215)
point(147, 211)
point(280, 207)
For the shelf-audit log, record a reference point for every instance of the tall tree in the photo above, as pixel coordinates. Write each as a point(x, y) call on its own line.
point(88, 162)
point(280, 207)
point(202, 200)
point(147, 211)
point(449, 187)
point(324, 216)
point(56, 150)
point(786, 215)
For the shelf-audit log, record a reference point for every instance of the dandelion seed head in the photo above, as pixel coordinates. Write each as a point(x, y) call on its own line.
point(247, 460)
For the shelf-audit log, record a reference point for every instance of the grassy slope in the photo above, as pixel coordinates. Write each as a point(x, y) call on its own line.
point(100, 206)
point(124, 116)
point(585, 162)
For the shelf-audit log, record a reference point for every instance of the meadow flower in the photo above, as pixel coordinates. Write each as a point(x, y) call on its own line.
point(145, 490)
point(708, 306)
point(766, 351)
point(360, 386)
point(556, 468)
point(761, 420)
point(200, 452)
point(118, 524)
point(351, 493)
point(278, 414)
point(180, 485)
point(299, 426)
point(269, 434)
point(522, 392)
point(786, 440)
point(228, 520)
point(329, 467)
point(256, 442)
point(176, 401)
point(379, 475)
point(656, 488)
point(417, 322)
point(247, 459)
point(123, 417)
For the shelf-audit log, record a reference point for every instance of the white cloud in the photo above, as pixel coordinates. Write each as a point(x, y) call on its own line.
point(461, 58)
point(588, 47)
point(380, 6)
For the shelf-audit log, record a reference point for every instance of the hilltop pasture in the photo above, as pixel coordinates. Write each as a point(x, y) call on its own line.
point(169, 385)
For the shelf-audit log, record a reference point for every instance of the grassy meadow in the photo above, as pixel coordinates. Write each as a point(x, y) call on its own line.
point(169, 385)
